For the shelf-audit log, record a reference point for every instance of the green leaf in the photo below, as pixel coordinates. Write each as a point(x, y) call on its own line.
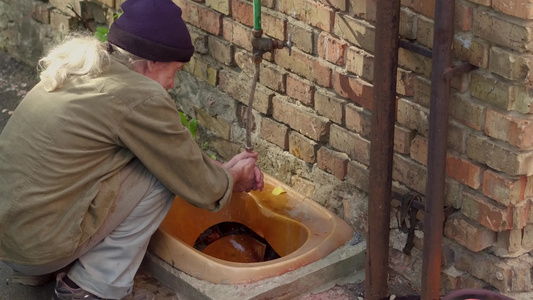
point(204, 145)
point(117, 15)
point(184, 120)
point(101, 33)
point(192, 127)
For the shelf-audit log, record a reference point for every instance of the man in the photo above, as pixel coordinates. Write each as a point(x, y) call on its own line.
point(94, 154)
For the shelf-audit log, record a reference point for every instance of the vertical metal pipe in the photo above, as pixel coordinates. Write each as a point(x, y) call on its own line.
point(381, 148)
point(257, 14)
point(438, 133)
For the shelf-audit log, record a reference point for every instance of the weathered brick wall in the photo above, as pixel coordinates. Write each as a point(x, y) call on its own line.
point(312, 114)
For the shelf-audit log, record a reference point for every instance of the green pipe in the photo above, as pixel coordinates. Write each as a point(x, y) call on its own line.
point(257, 14)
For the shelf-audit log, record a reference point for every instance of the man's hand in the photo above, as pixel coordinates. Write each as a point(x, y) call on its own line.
point(246, 175)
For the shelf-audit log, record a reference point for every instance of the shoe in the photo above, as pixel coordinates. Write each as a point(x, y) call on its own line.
point(65, 292)
point(31, 280)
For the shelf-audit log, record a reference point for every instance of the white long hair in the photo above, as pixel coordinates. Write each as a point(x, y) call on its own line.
point(80, 54)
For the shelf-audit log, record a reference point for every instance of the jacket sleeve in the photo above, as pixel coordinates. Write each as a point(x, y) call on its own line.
point(154, 133)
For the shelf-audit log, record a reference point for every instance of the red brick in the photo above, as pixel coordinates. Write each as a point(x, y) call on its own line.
point(358, 120)
point(357, 90)
point(242, 11)
point(237, 34)
point(464, 171)
point(300, 119)
point(309, 12)
point(210, 21)
point(275, 133)
point(331, 49)
point(517, 8)
point(463, 16)
point(330, 107)
point(304, 65)
point(350, 143)
point(189, 11)
point(504, 189)
point(302, 147)
point(300, 90)
point(333, 162)
point(517, 130)
point(471, 235)
point(201, 16)
point(486, 212)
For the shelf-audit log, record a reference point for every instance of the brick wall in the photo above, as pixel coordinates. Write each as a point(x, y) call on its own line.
point(312, 115)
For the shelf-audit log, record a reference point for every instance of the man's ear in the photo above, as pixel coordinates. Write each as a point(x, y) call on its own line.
point(150, 65)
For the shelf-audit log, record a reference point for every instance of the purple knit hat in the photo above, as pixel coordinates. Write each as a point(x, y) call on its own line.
point(152, 29)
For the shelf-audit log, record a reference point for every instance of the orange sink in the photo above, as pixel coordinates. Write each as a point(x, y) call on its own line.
point(297, 228)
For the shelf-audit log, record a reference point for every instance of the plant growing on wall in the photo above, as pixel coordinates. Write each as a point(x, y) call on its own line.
point(192, 125)
point(102, 31)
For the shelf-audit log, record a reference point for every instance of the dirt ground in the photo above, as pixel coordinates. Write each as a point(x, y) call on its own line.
point(17, 79)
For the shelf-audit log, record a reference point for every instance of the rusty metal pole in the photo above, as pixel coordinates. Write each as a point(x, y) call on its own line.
point(381, 148)
point(438, 134)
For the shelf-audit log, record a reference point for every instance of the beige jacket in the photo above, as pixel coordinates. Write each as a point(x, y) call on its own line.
point(61, 152)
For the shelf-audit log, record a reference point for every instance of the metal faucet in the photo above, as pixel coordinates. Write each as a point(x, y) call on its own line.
point(262, 45)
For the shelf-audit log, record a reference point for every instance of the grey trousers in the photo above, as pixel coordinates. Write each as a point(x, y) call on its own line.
point(106, 264)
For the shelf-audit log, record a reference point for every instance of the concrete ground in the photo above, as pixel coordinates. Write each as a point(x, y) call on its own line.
point(15, 81)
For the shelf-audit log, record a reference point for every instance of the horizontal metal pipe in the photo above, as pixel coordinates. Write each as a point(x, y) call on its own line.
point(416, 48)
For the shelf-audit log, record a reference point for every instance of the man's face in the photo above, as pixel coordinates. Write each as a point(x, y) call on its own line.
point(163, 72)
